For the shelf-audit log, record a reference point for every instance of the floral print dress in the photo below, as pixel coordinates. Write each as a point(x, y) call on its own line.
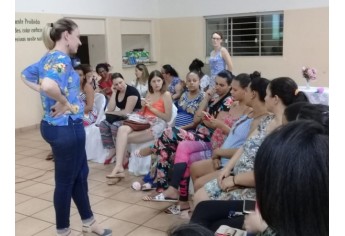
point(165, 147)
point(244, 164)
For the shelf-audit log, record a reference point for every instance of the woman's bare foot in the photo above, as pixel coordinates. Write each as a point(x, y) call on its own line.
point(171, 192)
point(118, 172)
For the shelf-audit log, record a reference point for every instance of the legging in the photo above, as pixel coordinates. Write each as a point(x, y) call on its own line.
point(165, 148)
point(108, 133)
point(183, 162)
point(214, 213)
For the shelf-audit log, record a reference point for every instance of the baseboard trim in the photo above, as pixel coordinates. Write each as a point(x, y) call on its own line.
point(27, 128)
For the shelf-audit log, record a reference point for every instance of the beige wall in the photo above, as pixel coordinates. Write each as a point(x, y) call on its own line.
point(178, 41)
point(305, 44)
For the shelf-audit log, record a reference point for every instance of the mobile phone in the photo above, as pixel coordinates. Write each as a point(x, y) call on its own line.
point(248, 206)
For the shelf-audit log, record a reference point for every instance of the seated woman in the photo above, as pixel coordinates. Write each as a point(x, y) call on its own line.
point(157, 110)
point(220, 215)
point(141, 81)
point(187, 106)
point(286, 162)
point(206, 170)
point(189, 102)
point(173, 82)
point(127, 99)
point(189, 152)
point(196, 65)
point(166, 145)
point(87, 94)
point(236, 180)
point(105, 83)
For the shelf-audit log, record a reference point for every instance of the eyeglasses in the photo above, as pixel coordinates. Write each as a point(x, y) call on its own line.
point(216, 38)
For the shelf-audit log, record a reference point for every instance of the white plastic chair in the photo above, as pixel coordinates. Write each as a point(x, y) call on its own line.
point(93, 143)
point(141, 166)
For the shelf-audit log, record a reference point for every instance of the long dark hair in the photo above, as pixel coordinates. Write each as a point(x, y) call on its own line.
point(291, 178)
point(287, 90)
point(168, 69)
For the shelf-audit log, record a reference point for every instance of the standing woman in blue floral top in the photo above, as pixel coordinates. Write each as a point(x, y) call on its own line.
point(220, 58)
point(62, 124)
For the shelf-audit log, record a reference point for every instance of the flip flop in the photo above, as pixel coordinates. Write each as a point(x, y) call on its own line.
point(113, 181)
point(159, 198)
point(117, 175)
point(175, 210)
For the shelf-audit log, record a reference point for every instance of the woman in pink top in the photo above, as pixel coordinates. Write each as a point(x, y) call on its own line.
point(157, 109)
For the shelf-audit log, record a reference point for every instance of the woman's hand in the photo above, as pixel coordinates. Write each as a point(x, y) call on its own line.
point(216, 164)
point(59, 109)
point(228, 184)
point(222, 175)
point(254, 223)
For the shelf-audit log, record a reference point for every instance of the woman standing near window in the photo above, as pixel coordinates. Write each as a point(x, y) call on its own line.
point(220, 58)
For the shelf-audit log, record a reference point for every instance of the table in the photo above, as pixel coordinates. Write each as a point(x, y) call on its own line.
point(316, 95)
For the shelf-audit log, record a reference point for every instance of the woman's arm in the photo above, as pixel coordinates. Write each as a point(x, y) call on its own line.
point(130, 105)
point(178, 91)
point(31, 85)
point(225, 172)
point(52, 90)
point(167, 107)
point(228, 153)
point(227, 58)
point(245, 179)
point(90, 98)
point(30, 77)
point(111, 102)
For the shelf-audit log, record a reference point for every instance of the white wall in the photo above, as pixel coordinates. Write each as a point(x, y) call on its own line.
point(191, 8)
point(161, 8)
point(97, 50)
point(103, 8)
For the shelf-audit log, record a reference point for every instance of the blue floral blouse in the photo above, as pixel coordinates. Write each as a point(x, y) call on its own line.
point(57, 66)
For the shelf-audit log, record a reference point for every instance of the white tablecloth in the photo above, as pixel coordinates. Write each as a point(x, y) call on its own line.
point(317, 95)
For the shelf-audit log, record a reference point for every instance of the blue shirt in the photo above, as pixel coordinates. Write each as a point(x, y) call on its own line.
point(57, 66)
point(237, 135)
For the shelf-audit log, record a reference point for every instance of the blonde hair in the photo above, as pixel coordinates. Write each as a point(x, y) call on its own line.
point(52, 31)
point(145, 75)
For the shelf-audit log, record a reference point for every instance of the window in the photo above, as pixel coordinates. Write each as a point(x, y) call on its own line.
point(248, 35)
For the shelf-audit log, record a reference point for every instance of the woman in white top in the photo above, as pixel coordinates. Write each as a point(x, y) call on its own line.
point(219, 58)
point(141, 82)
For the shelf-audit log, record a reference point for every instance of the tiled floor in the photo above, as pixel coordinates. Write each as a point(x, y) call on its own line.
point(117, 207)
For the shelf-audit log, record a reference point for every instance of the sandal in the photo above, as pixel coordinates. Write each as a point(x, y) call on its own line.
point(113, 181)
point(175, 210)
point(117, 175)
point(159, 198)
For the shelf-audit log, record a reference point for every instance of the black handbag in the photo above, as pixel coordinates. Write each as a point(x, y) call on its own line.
point(111, 118)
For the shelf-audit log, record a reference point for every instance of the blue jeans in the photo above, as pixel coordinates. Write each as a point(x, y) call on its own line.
point(71, 169)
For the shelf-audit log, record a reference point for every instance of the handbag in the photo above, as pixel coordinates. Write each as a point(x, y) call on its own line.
point(225, 230)
point(111, 118)
point(136, 126)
